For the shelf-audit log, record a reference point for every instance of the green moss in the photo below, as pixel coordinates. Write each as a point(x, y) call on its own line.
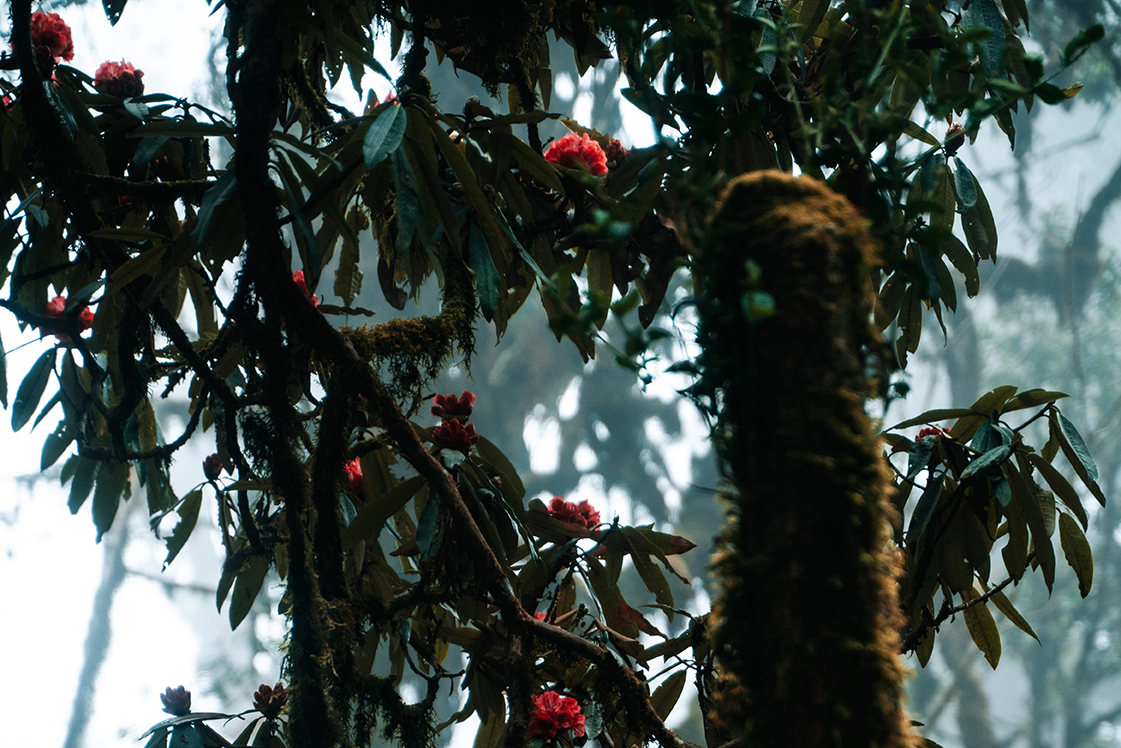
point(802, 565)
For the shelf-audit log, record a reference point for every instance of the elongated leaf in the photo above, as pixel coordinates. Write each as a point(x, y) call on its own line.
point(31, 390)
point(188, 513)
point(809, 18)
point(1077, 551)
point(1004, 605)
point(112, 479)
point(55, 445)
point(113, 10)
point(246, 587)
point(933, 416)
point(992, 457)
point(348, 277)
point(377, 511)
point(1070, 441)
point(224, 189)
point(924, 510)
point(665, 696)
point(486, 275)
point(965, 185)
point(384, 135)
point(983, 630)
point(1060, 486)
point(964, 262)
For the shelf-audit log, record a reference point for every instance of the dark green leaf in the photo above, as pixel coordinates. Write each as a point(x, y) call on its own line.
point(384, 135)
point(992, 457)
point(1070, 441)
point(1077, 551)
point(486, 275)
point(1081, 42)
point(55, 445)
point(1004, 605)
point(113, 10)
point(965, 185)
point(31, 390)
point(111, 481)
point(188, 512)
point(224, 189)
point(924, 510)
point(1060, 486)
point(983, 630)
point(85, 472)
point(246, 586)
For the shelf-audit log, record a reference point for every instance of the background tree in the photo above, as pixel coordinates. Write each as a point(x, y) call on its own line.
point(188, 261)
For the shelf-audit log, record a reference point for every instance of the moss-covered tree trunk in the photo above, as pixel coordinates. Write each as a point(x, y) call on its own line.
point(807, 621)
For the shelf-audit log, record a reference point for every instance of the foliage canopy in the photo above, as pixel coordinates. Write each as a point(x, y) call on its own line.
point(402, 542)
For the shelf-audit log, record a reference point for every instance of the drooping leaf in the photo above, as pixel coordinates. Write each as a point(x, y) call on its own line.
point(55, 445)
point(665, 696)
point(246, 586)
point(1060, 486)
point(1077, 454)
point(384, 135)
point(965, 185)
point(983, 630)
point(85, 473)
point(188, 512)
point(486, 275)
point(31, 390)
point(1004, 605)
point(1077, 551)
point(113, 10)
point(112, 480)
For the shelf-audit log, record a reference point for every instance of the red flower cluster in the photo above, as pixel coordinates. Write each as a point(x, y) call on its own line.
point(451, 434)
point(553, 713)
point(955, 138)
point(52, 40)
point(119, 79)
point(448, 407)
point(176, 701)
point(574, 514)
point(212, 467)
point(56, 307)
point(454, 412)
point(578, 152)
point(930, 431)
point(269, 701)
point(298, 279)
point(354, 475)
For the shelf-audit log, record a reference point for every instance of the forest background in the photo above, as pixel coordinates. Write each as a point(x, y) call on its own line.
point(1066, 681)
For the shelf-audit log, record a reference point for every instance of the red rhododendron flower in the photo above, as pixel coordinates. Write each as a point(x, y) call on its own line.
point(454, 435)
point(578, 152)
point(615, 152)
point(269, 701)
point(930, 431)
point(448, 407)
point(176, 701)
point(354, 475)
point(56, 307)
point(119, 79)
point(576, 514)
point(553, 713)
point(212, 467)
point(52, 40)
point(955, 138)
point(298, 278)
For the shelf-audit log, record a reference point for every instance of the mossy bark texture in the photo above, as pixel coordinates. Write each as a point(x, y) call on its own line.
point(807, 619)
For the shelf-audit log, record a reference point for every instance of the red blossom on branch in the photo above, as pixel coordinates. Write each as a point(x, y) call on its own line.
point(269, 701)
point(931, 431)
point(578, 152)
point(454, 435)
point(450, 407)
point(212, 467)
point(56, 307)
point(176, 701)
point(119, 79)
point(354, 475)
point(553, 713)
point(573, 514)
point(52, 40)
point(615, 152)
point(298, 279)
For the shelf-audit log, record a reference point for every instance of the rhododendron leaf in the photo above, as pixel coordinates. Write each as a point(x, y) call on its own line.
point(665, 696)
point(651, 576)
point(224, 188)
point(188, 511)
point(1077, 454)
point(113, 10)
point(147, 149)
point(31, 390)
point(384, 135)
point(54, 445)
point(1077, 551)
point(112, 481)
point(375, 513)
point(428, 527)
point(486, 275)
point(247, 584)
